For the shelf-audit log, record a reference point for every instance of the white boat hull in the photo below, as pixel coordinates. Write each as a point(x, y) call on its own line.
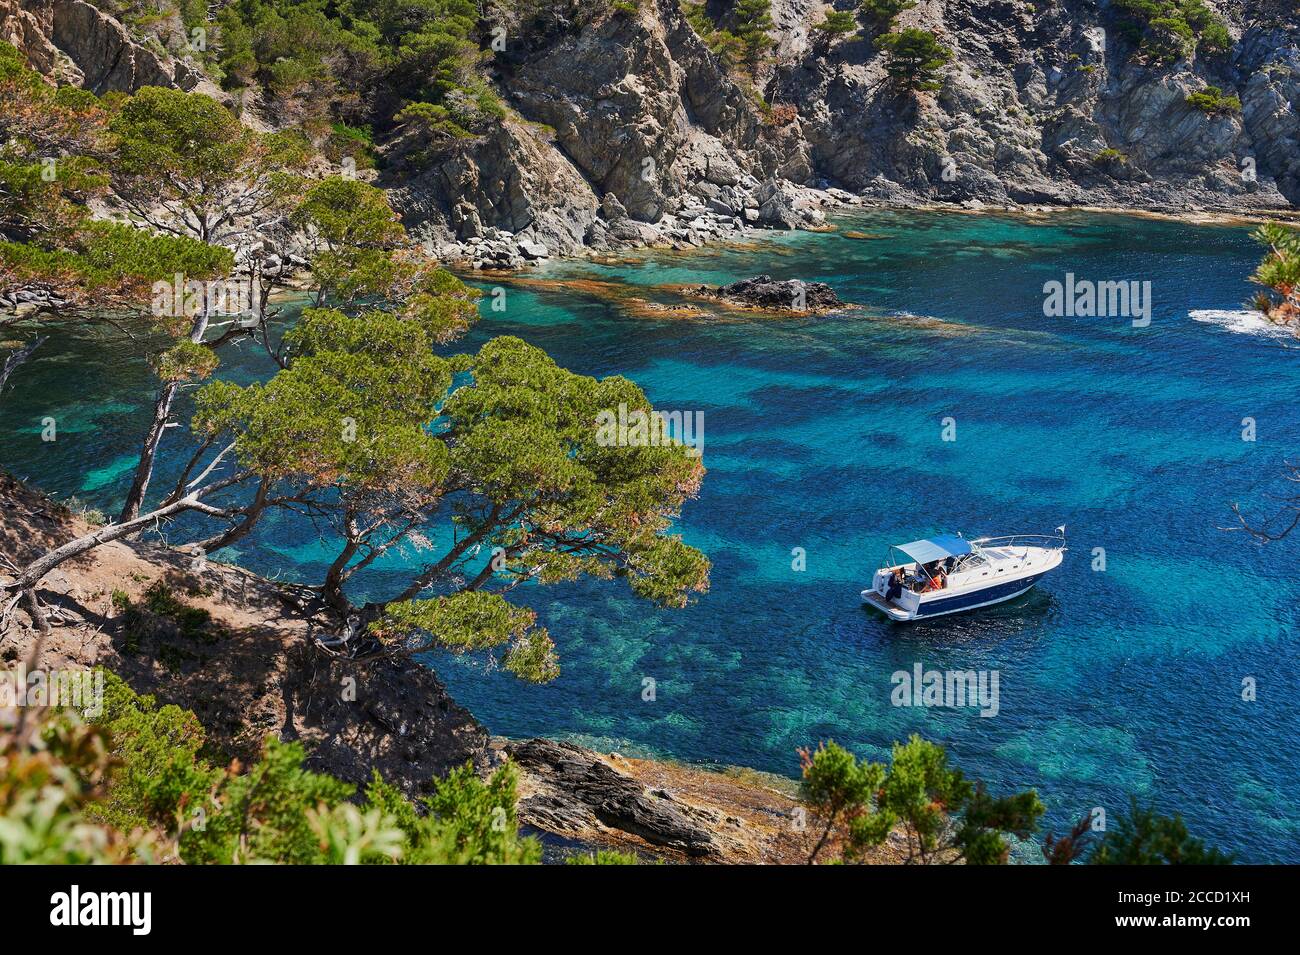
point(1007, 577)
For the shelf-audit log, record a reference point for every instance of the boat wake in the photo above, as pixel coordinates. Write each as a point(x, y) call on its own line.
point(1240, 321)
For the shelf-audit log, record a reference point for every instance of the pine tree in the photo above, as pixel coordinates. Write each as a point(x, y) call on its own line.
point(914, 59)
point(838, 23)
point(753, 20)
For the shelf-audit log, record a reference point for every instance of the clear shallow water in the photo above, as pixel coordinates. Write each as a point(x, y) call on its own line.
point(824, 434)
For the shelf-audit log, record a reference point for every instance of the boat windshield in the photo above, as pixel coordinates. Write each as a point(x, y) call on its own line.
point(969, 562)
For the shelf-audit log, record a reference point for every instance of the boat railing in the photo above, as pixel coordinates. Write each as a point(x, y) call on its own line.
point(1021, 540)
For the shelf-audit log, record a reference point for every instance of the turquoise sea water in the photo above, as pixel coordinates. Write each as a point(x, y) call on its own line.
point(825, 434)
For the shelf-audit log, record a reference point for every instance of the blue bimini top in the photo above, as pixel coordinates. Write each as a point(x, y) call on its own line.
point(935, 548)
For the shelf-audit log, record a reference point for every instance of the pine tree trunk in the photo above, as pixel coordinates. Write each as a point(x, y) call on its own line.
point(162, 410)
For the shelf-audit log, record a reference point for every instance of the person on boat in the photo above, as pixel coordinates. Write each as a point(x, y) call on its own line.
point(895, 588)
point(937, 578)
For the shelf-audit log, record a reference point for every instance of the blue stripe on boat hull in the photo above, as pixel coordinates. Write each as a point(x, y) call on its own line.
point(987, 595)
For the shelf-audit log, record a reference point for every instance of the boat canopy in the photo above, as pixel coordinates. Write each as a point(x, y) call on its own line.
point(935, 548)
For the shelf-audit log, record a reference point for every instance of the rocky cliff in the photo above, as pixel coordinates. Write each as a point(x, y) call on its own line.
point(1050, 103)
point(74, 42)
point(1047, 103)
point(624, 129)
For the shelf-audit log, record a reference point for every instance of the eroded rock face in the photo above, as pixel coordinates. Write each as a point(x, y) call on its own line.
point(642, 109)
point(632, 134)
point(76, 42)
point(510, 179)
point(1048, 104)
point(574, 793)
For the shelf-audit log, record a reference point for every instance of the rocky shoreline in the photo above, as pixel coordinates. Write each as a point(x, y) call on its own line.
point(730, 212)
point(252, 672)
point(625, 132)
point(493, 249)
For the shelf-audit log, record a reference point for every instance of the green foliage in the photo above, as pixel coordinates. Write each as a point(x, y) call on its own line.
point(1145, 838)
point(157, 775)
point(516, 447)
point(263, 814)
point(466, 821)
point(1211, 100)
point(107, 265)
point(350, 410)
point(838, 23)
point(351, 142)
point(1171, 30)
point(322, 59)
point(914, 58)
point(1215, 38)
point(50, 773)
point(603, 857)
point(753, 20)
point(1109, 158)
point(839, 790)
point(136, 786)
point(943, 815)
point(724, 44)
point(881, 14)
point(352, 229)
point(1279, 273)
point(471, 822)
point(50, 143)
point(184, 162)
point(474, 621)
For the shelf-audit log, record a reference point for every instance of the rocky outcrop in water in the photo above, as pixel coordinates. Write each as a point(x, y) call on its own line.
point(766, 293)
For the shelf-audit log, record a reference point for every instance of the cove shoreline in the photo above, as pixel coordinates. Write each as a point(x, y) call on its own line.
point(254, 672)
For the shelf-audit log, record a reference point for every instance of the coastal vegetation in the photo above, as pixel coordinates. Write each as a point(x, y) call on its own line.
point(914, 58)
point(1170, 30)
point(881, 14)
point(1213, 100)
point(138, 782)
point(365, 426)
point(945, 818)
point(480, 469)
point(1278, 274)
point(743, 43)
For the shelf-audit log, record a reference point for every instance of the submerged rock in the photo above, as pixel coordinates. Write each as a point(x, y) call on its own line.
point(765, 292)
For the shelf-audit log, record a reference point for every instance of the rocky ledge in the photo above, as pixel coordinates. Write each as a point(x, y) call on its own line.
point(665, 810)
point(776, 295)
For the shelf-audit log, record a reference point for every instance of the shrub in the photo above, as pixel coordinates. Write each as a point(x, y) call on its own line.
point(1211, 100)
point(881, 14)
point(1170, 30)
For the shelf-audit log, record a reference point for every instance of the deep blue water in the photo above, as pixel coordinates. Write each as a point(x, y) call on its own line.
point(825, 434)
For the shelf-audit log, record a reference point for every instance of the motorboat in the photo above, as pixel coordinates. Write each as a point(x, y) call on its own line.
point(948, 573)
